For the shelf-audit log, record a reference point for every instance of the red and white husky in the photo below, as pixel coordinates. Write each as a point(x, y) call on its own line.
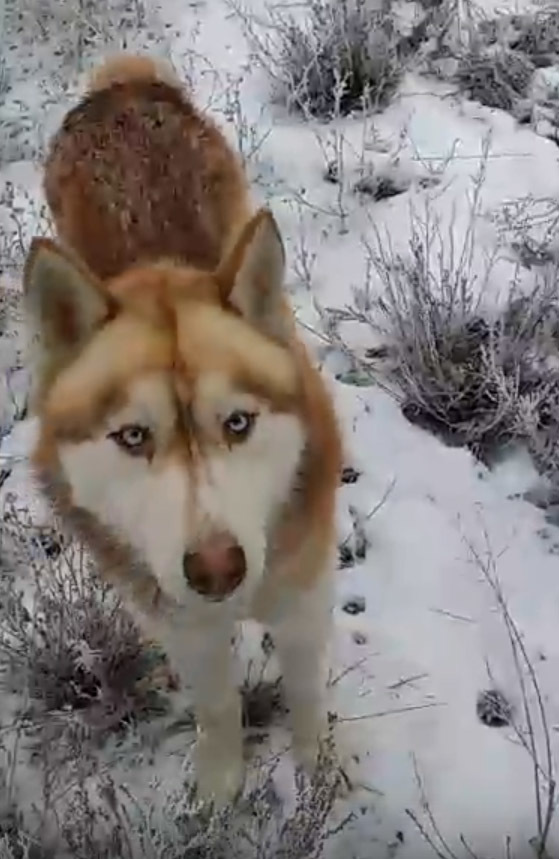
point(185, 435)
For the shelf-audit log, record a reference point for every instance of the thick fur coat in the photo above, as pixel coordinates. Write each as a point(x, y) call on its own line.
point(185, 435)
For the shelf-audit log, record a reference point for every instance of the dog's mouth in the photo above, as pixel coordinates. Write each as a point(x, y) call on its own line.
point(214, 596)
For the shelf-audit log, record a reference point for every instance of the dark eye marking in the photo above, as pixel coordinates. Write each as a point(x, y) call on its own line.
point(239, 425)
point(135, 439)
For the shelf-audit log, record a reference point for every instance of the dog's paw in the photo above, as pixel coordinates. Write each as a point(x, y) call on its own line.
point(219, 774)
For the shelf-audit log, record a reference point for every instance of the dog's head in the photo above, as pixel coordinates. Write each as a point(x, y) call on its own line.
point(171, 400)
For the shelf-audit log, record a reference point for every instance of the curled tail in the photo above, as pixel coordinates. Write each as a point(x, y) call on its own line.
point(125, 68)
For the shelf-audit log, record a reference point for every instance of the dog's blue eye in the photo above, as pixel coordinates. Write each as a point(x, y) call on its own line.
point(239, 424)
point(133, 438)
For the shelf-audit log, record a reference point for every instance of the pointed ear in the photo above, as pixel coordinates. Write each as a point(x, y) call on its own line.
point(251, 277)
point(63, 303)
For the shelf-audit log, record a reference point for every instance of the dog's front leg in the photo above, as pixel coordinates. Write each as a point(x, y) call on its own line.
point(302, 638)
point(203, 658)
point(217, 702)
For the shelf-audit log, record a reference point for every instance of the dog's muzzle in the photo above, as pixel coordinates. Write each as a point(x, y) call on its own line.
point(216, 568)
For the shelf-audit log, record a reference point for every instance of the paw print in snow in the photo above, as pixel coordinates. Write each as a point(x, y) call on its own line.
point(350, 475)
point(355, 605)
point(493, 709)
point(346, 557)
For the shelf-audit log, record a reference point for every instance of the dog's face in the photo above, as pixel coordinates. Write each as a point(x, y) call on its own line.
point(172, 405)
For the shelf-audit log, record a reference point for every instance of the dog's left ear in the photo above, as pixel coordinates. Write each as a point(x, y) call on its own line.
point(251, 277)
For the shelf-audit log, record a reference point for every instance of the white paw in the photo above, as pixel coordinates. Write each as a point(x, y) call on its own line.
point(219, 773)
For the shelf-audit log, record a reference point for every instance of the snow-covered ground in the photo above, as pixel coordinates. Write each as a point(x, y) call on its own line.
point(419, 629)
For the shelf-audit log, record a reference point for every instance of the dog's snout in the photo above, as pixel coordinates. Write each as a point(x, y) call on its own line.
point(216, 567)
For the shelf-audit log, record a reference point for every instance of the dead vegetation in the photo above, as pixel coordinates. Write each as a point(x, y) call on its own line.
point(507, 62)
point(77, 664)
point(529, 723)
point(66, 645)
point(337, 58)
point(102, 820)
point(498, 77)
point(479, 378)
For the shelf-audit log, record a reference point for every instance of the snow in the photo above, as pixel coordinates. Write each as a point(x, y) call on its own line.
point(411, 664)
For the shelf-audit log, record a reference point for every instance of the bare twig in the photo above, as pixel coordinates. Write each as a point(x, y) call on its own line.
point(544, 796)
point(394, 712)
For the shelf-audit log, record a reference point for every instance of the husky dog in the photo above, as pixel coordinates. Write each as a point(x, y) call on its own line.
point(185, 436)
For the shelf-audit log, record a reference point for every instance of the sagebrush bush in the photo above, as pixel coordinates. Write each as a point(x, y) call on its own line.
point(342, 57)
point(496, 58)
point(82, 670)
point(257, 826)
point(476, 379)
point(86, 24)
point(67, 644)
point(100, 819)
point(537, 36)
point(495, 77)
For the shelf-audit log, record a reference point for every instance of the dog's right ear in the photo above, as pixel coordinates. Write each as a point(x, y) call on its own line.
point(64, 302)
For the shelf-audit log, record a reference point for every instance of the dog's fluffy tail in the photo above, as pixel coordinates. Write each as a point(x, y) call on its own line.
point(127, 68)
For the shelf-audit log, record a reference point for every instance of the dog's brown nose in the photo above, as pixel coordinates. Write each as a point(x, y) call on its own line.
point(216, 568)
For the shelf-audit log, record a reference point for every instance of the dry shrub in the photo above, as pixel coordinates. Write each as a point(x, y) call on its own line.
point(476, 378)
point(66, 644)
point(343, 56)
point(496, 78)
point(536, 35)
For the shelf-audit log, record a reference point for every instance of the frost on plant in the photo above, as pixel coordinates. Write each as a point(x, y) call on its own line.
point(476, 379)
point(88, 814)
point(535, 34)
point(496, 78)
point(66, 644)
point(82, 673)
point(507, 62)
point(342, 56)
